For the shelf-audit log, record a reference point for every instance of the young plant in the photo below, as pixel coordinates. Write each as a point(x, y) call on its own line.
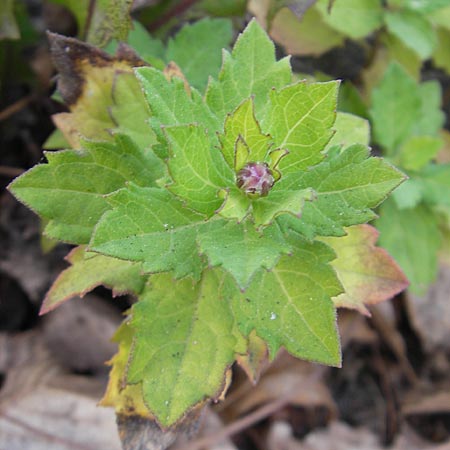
point(235, 217)
point(407, 123)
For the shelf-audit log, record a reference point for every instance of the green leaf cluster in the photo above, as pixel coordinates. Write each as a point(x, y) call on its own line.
point(196, 48)
point(407, 120)
point(218, 265)
point(411, 31)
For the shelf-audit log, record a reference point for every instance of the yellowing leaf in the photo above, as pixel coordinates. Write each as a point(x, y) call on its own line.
point(89, 271)
point(308, 36)
point(87, 77)
point(126, 399)
point(368, 273)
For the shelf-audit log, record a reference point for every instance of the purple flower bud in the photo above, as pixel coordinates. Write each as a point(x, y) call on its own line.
point(255, 178)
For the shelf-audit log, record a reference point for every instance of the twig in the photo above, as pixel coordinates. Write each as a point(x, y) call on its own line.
point(235, 427)
point(15, 107)
point(179, 8)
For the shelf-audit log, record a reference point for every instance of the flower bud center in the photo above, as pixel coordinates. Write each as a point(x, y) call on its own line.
point(255, 178)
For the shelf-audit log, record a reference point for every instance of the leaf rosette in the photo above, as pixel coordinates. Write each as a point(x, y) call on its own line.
point(220, 218)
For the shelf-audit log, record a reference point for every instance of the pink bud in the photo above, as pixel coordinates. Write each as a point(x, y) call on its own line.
point(255, 178)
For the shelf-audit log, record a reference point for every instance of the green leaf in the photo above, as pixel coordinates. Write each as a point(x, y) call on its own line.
point(110, 19)
point(351, 101)
point(441, 17)
point(129, 110)
point(353, 18)
point(55, 141)
point(242, 124)
point(413, 29)
point(198, 171)
point(142, 42)
point(291, 305)
point(241, 250)
point(251, 69)
point(418, 151)
point(409, 194)
point(300, 118)
point(70, 190)
point(426, 6)
point(100, 21)
point(441, 55)
point(171, 104)
point(184, 343)
point(88, 271)
point(197, 49)
point(399, 52)
point(350, 130)
point(280, 201)
point(395, 106)
point(369, 275)
point(435, 182)
point(347, 186)
point(431, 119)
point(412, 237)
point(8, 25)
point(151, 226)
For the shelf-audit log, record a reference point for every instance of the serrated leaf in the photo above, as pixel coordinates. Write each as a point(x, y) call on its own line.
point(308, 36)
point(353, 18)
point(90, 84)
point(242, 124)
point(151, 226)
point(347, 186)
point(198, 170)
point(414, 29)
point(291, 305)
point(412, 237)
point(171, 105)
point(70, 190)
point(184, 342)
point(240, 249)
point(350, 130)
point(418, 151)
point(300, 118)
point(85, 274)
point(368, 273)
point(197, 49)
point(126, 399)
point(251, 69)
point(394, 108)
point(279, 201)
